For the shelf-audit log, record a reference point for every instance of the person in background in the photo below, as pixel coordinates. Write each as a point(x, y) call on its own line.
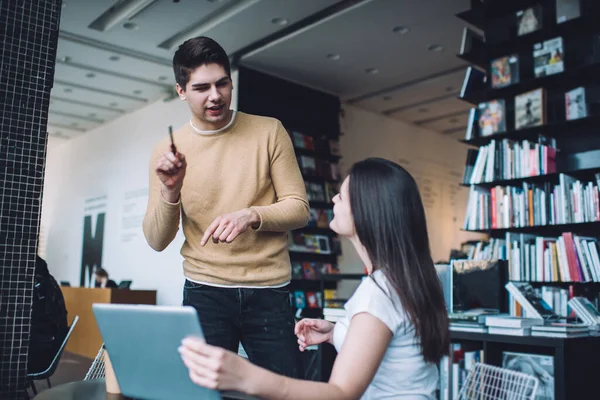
point(233, 181)
point(48, 319)
point(103, 281)
point(395, 331)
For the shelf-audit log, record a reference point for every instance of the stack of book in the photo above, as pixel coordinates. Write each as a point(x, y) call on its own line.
point(470, 321)
point(561, 330)
point(514, 326)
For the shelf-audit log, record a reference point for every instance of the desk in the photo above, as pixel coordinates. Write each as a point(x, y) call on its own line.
point(86, 339)
point(95, 389)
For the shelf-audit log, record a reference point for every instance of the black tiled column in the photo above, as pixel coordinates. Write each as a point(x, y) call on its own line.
point(28, 38)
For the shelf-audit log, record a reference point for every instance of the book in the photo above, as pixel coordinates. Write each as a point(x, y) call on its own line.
point(474, 82)
point(507, 321)
point(532, 302)
point(471, 41)
point(505, 71)
point(585, 310)
point(471, 127)
point(491, 117)
point(567, 10)
point(494, 330)
point(548, 57)
point(529, 20)
point(575, 105)
point(529, 109)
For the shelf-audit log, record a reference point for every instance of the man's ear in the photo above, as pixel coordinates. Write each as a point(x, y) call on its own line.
point(180, 91)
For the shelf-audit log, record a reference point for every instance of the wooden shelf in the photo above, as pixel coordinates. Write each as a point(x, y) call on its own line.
point(546, 230)
point(571, 77)
point(317, 154)
point(555, 129)
point(318, 179)
point(320, 204)
point(317, 257)
point(582, 174)
point(473, 16)
point(316, 231)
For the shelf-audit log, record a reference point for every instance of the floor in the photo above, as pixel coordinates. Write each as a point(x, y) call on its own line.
point(71, 368)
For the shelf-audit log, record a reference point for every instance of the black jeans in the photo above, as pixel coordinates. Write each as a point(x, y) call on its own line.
point(261, 319)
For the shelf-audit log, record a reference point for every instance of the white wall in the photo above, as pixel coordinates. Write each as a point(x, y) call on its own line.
point(111, 160)
point(436, 162)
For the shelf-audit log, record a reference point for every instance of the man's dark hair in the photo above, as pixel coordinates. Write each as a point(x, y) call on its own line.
point(101, 272)
point(195, 52)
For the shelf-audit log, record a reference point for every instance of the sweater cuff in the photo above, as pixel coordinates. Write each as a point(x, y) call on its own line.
point(260, 216)
point(168, 203)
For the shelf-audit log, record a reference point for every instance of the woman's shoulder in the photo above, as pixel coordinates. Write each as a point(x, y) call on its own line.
point(376, 296)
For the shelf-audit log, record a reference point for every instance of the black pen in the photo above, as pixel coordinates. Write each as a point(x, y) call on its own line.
point(173, 148)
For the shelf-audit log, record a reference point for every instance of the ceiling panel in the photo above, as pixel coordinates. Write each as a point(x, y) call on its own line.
point(94, 97)
point(165, 18)
point(67, 121)
point(433, 110)
point(447, 123)
point(363, 37)
point(447, 85)
point(63, 132)
point(99, 80)
point(83, 110)
point(86, 55)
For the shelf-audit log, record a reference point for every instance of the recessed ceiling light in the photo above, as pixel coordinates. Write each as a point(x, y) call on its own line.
point(90, 75)
point(114, 104)
point(279, 21)
point(137, 92)
point(114, 58)
point(372, 71)
point(333, 56)
point(64, 4)
point(65, 59)
point(422, 110)
point(68, 90)
point(435, 47)
point(400, 30)
point(130, 25)
point(387, 98)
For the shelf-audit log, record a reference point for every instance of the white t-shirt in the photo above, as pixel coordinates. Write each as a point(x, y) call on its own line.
point(403, 373)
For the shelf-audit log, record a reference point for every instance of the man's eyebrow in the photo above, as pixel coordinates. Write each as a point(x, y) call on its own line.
point(200, 84)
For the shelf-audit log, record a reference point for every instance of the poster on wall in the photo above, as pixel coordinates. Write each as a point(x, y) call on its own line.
point(94, 217)
point(132, 214)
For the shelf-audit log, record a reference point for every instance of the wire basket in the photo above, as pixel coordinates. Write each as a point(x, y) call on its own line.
point(97, 369)
point(487, 382)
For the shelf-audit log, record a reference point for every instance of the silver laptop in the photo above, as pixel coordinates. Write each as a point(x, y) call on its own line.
point(142, 342)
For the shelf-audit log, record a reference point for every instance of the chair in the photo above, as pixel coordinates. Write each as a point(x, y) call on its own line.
point(98, 368)
point(490, 382)
point(54, 364)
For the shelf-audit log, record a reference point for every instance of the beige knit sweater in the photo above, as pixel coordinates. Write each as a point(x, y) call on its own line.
point(249, 164)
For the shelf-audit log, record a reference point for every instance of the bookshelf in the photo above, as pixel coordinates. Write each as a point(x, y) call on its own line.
point(314, 132)
point(534, 159)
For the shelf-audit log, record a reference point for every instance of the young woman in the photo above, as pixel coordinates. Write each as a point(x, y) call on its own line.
point(396, 325)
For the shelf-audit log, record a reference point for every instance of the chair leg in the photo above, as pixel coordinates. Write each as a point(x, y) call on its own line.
point(48, 380)
point(33, 387)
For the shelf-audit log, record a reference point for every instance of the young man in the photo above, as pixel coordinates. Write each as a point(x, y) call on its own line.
point(235, 182)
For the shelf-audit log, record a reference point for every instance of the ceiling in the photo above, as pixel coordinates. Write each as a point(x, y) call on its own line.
point(374, 54)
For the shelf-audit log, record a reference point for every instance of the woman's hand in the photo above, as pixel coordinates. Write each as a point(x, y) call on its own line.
point(214, 367)
point(313, 331)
